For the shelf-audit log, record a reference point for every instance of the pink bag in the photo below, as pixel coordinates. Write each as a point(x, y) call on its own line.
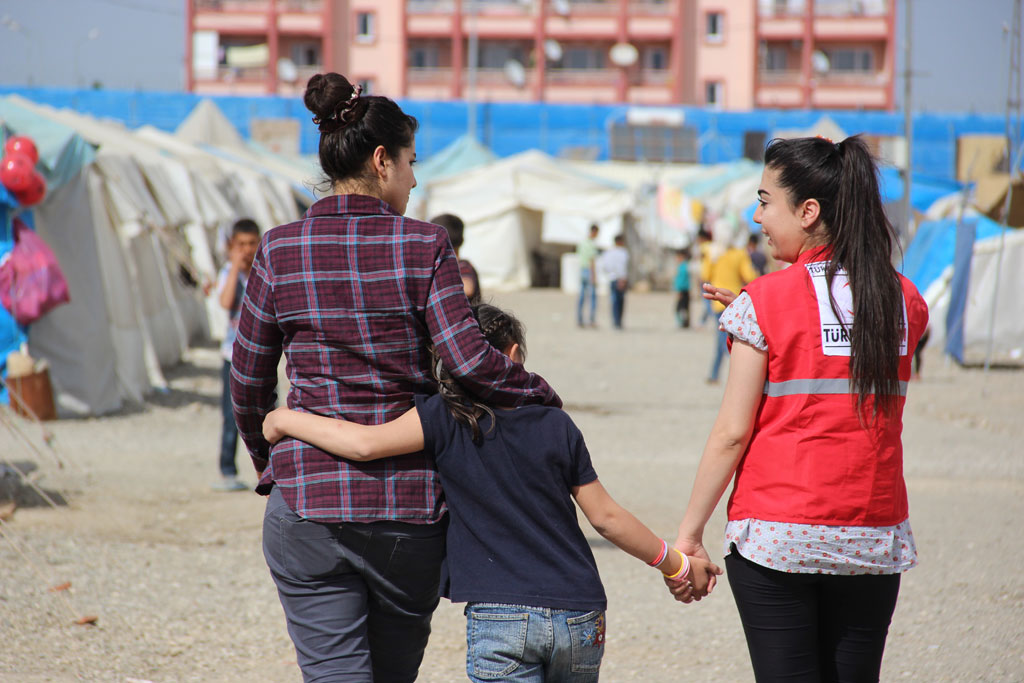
point(31, 282)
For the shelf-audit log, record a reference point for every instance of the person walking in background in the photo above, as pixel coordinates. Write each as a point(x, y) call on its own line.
point(811, 423)
point(703, 253)
point(355, 295)
point(586, 256)
point(242, 245)
point(681, 285)
point(730, 270)
point(535, 604)
point(615, 265)
point(757, 257)
point(455, 228)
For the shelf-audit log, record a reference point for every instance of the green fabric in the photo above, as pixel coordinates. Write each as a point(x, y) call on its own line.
point(586, 252)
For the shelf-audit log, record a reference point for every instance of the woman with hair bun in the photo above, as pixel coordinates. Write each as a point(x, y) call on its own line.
point(355, 295)
point(811, 423)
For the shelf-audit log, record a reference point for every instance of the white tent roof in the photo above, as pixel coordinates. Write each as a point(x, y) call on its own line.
point(206, 124)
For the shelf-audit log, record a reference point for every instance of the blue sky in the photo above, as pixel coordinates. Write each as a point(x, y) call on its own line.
point(960, 48)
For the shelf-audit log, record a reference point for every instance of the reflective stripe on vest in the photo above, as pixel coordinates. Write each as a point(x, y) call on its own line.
point(795, 387)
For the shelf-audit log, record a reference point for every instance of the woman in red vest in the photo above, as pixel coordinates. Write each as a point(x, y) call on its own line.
point(811, 422)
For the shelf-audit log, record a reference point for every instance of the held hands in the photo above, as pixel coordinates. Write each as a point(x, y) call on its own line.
point(701, 578)
point(722, 296)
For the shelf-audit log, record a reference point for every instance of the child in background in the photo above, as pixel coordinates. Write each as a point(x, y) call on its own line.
point(245, 238)
point(456, 229)
point(516, 553)
point(682, 287)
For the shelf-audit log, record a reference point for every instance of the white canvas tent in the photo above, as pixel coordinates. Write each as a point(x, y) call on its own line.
point(517, 206)
point(993, 301)
point(135, 232)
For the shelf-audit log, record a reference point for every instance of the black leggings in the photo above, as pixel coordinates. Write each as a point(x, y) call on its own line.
point(812, 627)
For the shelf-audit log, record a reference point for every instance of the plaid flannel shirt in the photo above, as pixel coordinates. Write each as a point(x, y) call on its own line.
point(353, 294)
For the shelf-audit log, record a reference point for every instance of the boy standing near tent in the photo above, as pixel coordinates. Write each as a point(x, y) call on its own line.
point(456, 229)
point(245, 238)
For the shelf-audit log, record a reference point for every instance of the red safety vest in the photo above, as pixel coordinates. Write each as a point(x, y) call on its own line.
point(810, 460)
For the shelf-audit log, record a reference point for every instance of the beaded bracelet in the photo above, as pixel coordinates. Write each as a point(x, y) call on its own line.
point(661, 556)
point(684, 567)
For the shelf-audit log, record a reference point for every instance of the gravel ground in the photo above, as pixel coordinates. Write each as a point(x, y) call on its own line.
point(174, 574)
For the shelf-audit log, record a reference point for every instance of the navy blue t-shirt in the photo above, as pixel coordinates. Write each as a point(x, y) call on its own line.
point(513, 536)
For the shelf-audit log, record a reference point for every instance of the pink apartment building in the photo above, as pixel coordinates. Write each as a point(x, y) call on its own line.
point(730, 54)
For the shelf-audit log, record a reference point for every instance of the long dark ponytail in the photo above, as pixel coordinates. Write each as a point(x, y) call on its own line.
point(501, 330)
point(843, 178)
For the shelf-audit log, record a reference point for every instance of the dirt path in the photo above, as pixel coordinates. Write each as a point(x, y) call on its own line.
point(175, 574)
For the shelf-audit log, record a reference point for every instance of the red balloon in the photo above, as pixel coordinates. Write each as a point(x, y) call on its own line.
point(16, 172)
point(22, 144)
point(35, 191)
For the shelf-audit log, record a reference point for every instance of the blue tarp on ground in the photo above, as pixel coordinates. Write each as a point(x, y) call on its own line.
point(934, 246)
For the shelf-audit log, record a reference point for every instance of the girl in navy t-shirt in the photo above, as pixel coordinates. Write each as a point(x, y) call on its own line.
point(516, 554)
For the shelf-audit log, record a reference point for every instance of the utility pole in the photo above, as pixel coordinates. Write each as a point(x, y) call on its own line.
point(908, 126)
point(1013, 154)
point(474, 60)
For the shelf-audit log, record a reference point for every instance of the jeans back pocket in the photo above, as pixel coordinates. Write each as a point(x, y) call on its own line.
point(496, 642)
point(587, 633)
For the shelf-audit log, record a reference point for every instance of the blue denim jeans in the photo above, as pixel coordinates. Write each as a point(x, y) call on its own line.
point(588, 294)
point(228, 431)
point(533, 644)
point(721, 349)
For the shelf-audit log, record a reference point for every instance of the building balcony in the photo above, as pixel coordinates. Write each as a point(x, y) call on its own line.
point(231, 80)
point(833, 19)
point(833, 90)
point(646, 19)
point(581, 76)
point(230, 6)
point(301, 17)
point(560, 85)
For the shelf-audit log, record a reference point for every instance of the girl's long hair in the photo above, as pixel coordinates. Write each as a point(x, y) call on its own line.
point(501, 330)
point(843, 178)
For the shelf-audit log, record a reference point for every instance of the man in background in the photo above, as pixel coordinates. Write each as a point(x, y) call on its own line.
point(586, 255)
point(615, 264)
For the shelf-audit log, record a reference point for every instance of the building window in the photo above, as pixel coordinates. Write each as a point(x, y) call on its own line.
point(583, 58)
point(851, 59)
point(306, 54)
point(495, 54)
point(713, 94)
point(775, 58)
point(655, 59)
point(423, 56)
point(715, 27)
point(366, 27)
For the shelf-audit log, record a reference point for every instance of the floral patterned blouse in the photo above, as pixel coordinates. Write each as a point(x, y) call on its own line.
point(811, 548)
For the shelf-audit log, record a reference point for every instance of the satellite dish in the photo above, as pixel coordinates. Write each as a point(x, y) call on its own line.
point(552, 49)
point(287, 71)
point(623, 54)
point(561, 7)
point(820, 62)
point(515, 72)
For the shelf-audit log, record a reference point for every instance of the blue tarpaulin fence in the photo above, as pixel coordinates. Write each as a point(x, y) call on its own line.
point(509, 128)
